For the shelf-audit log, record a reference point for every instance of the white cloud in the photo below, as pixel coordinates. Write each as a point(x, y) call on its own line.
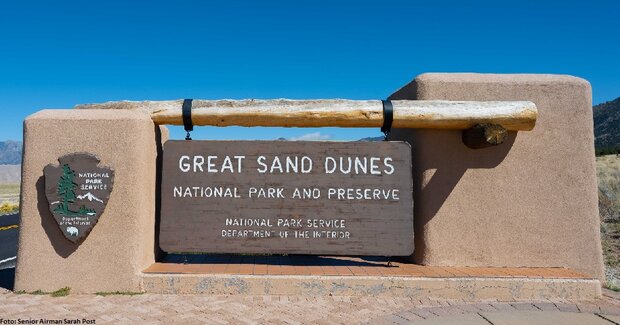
point(314, 136)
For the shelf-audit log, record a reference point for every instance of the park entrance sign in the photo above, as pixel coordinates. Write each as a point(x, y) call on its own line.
point(340, 198)
point(322, 198)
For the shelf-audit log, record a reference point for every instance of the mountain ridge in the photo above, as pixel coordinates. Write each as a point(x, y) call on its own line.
point(10, 152)
point(607, 126)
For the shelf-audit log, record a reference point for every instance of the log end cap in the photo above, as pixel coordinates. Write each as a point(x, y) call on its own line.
point(484, 135)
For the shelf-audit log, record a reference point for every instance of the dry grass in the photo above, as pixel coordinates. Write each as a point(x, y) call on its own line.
point(608, 173)
point(9, 198)
point(8, 208)
point(9, 192)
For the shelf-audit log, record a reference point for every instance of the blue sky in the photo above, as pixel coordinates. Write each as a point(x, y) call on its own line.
point(55, 54)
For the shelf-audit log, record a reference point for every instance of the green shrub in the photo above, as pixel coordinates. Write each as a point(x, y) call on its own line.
point(61, 292)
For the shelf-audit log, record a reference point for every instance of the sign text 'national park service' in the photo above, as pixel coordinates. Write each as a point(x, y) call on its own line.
point(77, 191)
point(287, 197)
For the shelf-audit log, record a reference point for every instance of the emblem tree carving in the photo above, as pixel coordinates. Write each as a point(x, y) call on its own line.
point(66, 191)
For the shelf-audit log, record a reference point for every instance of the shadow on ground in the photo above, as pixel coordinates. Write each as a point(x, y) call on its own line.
point(7, 278)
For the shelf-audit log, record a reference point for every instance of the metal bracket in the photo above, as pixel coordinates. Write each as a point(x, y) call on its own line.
point(388, 117)
point(187, 118)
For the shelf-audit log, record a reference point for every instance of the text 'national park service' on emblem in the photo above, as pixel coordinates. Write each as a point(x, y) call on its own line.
point(77, 191)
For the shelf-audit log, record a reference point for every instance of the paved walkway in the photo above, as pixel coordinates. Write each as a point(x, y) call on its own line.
point(195, 309)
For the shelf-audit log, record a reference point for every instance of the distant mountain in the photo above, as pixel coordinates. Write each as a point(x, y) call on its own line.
point(9, 174)
point(10, 152)
point(372, 139)
point(607, 125)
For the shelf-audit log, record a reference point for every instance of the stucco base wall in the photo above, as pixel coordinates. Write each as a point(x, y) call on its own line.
point(122, 242)
point(531, 201)
point(470, 289)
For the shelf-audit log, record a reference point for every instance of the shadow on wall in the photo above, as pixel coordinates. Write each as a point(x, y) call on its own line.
point(62, 246)
point(294, 259)
point(447, 173)
point(159, 142)
point(444, 174)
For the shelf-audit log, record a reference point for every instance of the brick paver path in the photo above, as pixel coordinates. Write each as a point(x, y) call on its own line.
point(195, 309)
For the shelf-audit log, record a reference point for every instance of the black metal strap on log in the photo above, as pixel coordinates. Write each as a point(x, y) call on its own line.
point(187, 118)
point(388, 117)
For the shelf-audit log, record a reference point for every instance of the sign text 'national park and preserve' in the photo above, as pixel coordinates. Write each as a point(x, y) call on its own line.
point(287, 197)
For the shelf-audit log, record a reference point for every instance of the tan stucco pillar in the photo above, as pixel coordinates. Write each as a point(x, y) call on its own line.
point(122, 243)
point(531, 201)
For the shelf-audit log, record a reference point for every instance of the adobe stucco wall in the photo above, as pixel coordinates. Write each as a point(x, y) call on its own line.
point(531, 201)
point(121, 244)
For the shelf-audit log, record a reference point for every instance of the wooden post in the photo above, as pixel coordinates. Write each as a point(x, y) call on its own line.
point(434, 114)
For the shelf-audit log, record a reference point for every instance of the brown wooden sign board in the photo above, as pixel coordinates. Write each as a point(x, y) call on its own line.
point(286, 197)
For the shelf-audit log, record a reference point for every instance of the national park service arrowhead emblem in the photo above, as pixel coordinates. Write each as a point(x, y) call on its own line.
point(77, 191)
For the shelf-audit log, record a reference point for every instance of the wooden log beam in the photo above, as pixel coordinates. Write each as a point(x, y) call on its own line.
point(433, 114)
